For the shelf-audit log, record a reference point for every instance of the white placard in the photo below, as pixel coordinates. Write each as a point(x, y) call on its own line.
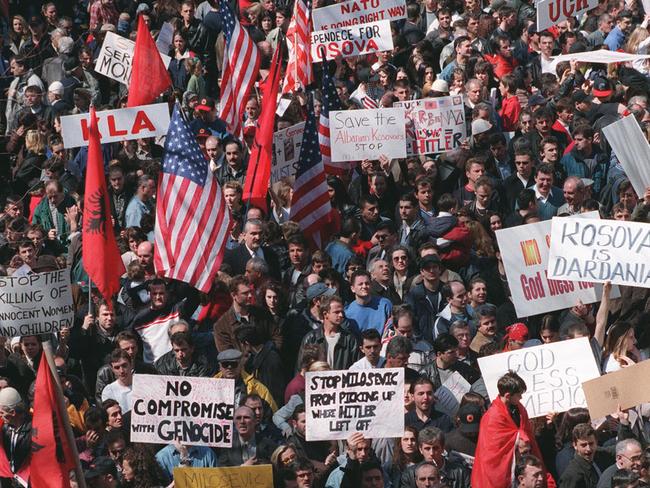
point(632, 150)
point(34, 304)
point(286, 151)
point(450, 394)
point(121, 124)
point(198, 411)
point(116, 56)
point(338, 403)
point(351, 41)
point(367, 134)
point(552, 12)
point(356, 12)
point(434, 125)
point(600, 251)
point(525, 253)
point(553, 373)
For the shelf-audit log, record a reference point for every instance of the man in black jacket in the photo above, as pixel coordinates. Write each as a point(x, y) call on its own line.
point(183, 359)
point(252, 248)
point(16, 429)
point(581, 471)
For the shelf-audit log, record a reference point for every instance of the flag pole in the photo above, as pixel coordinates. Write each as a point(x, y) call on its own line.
point(49, 357)
point(90, 296)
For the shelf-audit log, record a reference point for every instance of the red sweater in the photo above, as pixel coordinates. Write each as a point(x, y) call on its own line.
point(510, 109)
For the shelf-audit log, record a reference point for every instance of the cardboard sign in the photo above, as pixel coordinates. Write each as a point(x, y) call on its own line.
point(600, 251)
point(553, 374)
point(356, 12)
point(552, 12)
point(241, 477)
point(367, 134)
point(632, 150)
point(434, 125)
point(121, 124)
point(35, 304)
point(623, 387)
point(351, 41)
point(116, 56)
point(199, 411)
point(525, 251)
point(286, 149)
point(338, 403)
point(450, 394)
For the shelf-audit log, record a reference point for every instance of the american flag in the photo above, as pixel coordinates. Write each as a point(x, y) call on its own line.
point(241, 65)
point(310, 205)
point(331, 101)
point(192, 220)
point(299, 72)
point(360, 95)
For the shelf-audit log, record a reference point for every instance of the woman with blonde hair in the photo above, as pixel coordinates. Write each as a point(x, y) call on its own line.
point(28, 171)
point(281, 199)
point(18, 34)
point(638, 43)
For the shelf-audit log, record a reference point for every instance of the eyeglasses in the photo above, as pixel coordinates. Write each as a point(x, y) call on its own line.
point(229, 364)
point(635, 459)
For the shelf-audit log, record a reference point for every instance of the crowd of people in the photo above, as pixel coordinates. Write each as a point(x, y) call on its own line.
point(410, 277)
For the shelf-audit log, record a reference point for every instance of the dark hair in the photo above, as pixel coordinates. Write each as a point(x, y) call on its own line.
point(409, 197)
point(370, 335)
point(422, 380)
point(96, 415)
point(527, 460)
point(233, 286)
point(118, 355)
point(349, 227)
point(582, 432)
point(148, 472)
point(525, 198)
point(400, 460)
point(447, 202)
point(546, 168)
point(511, 383)
point(444, 342)
point(357, 273)
point(179, 338)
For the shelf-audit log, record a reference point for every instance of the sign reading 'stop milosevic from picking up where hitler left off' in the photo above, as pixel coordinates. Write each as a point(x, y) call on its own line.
point(39, 303)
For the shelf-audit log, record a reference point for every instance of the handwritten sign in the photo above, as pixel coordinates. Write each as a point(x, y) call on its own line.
point(623, 387)
point(286, 149)
point(356, 12)
point(121, 124)
point(450, 394)
point(341, 402)
point(434, 125)
point(552, 12)
point(632, 150)
point(553, 373)
point(241, 477)
point(116, 56)
point(35, 304)
point(351, 41)
point(199, 411)
point(600, 251)
point(525, 251)
point(367, 134)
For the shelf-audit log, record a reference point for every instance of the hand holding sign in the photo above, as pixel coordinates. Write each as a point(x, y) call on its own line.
point(353, 442)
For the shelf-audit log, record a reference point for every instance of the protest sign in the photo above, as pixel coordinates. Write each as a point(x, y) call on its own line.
point(367, 134)
point(553, 374)
point(524, 250)
point(601, 56)
point(121, 124)
point(198, 411)
point(286, 149)
point(165, 37)
point(356, 12)
point(241, 477)
point(433, 125)
point(600, 251)
point(351, 41)
point(552, 12)
point(34, 304)
point(606, 393)
point(632, 150)
point(449, 395)
point(338, 403)
point(116, 56)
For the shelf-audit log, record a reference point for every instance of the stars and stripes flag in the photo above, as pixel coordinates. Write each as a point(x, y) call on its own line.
point(361, 96)
point(299, 73)
point(192, 220)
point(331, 102)
point(241, 66)
point(310, 205)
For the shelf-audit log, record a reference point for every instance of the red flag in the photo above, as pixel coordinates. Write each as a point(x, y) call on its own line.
point(149, 77)
point(52, 458)
point(101, 256)
point(258, 173)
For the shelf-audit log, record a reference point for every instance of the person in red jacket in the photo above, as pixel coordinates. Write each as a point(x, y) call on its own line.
point(502, 59)
point(502, 425)
point(510, 107)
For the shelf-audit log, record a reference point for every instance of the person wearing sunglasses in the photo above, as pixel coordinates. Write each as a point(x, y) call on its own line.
point(230, 367)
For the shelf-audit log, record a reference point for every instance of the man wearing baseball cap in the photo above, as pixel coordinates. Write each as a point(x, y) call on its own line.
point(205, 117)
point(463, 438)
point(102, 473)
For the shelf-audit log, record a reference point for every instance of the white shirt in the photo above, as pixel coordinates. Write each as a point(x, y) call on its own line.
point(363, 363)
point(120, 393)
point(548, 66)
